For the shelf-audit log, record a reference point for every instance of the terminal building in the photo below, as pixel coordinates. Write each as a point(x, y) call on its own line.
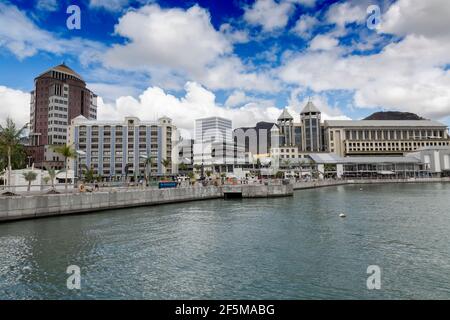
point(383, 137)
point(115, 149)
point(353, 137)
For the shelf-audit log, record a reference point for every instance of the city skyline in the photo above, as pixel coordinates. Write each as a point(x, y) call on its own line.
point(257, 65)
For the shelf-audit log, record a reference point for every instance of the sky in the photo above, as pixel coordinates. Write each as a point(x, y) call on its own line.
point(242, 59)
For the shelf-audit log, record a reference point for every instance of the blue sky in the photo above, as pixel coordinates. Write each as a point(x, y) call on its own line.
point(243, 59)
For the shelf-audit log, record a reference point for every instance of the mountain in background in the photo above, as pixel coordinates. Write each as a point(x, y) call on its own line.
point(393, 115)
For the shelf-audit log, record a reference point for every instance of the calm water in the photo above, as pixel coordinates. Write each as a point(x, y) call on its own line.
point(295, 248)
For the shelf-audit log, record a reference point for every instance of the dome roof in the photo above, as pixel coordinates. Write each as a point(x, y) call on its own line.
point(285, 115)
point(64, 69)
point(310, 107)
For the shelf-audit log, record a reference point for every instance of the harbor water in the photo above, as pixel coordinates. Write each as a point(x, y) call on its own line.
point(283, 248)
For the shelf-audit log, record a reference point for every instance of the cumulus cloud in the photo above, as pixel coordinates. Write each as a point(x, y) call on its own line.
point(23, 38)
point(305, 26)
point(268, 14)
point(344, 13)
point(176, 44)
point(427, 18)
point(408, 75)
point(323, 42)
point(14, 104)
point(167, 37)
point(198, 102)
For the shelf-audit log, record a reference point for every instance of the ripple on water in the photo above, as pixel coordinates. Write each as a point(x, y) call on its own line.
point(294, 248)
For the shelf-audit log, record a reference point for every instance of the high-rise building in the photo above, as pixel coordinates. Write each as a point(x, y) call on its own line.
point(311, 128)
point(213, 129)
point(214, 146)
point(300, 138)
point(257, 140)
point(59, 95)
point(115, 149)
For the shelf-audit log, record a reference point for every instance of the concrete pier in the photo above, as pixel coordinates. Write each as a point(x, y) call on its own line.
point(36, 206)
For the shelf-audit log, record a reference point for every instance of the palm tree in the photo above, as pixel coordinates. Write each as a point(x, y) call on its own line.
point(89, 173)
point(9, 139)
point(148, 162)
point(68, 153)
point(52, 175)
point(165, 163)
point(29, 176)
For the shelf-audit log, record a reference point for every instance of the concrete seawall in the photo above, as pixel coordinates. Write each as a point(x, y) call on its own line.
point(36, 206)
point(330, 183)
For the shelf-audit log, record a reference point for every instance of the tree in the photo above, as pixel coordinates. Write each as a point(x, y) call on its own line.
point(89, 173)
point(165, 163)
point(9, 141)
point(148, 162)
point(183, 167)
point(67, 152)
point(279, 175)
point(52, 175)
point(29, 176)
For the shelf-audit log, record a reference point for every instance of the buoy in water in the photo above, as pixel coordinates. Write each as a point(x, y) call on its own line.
point(342, 215)
point(360, 189)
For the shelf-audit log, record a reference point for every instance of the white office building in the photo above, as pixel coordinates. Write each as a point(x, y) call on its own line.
point(114, 149)
point(214, 147)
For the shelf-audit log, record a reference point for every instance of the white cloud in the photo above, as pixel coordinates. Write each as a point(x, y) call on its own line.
point(47, 5)
point(305, 26)
point(323, 42)
point(233, 35)
point(174, 38)
point(428, 18)
point(14, 104)
point(24, 39)
point(269, 14)
point(111, 92)
point(344, 13)
point(404, 76)
point(175, 44)
point(197, 103)
point(295, 106)
point(110, 5)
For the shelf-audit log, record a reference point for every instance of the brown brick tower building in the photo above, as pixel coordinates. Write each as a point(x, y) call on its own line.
point(59, 95)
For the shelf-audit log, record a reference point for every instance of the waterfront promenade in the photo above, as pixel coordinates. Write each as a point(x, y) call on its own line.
point(43, 205)
point(36, 206)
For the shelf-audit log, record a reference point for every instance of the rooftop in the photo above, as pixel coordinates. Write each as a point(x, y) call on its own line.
point(285, 115)
point(64, 69)
point(383, 123)
point(310, 107)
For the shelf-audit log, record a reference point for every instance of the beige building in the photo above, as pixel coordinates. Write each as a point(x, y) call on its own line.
point(118, 148)
point(383, 137)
